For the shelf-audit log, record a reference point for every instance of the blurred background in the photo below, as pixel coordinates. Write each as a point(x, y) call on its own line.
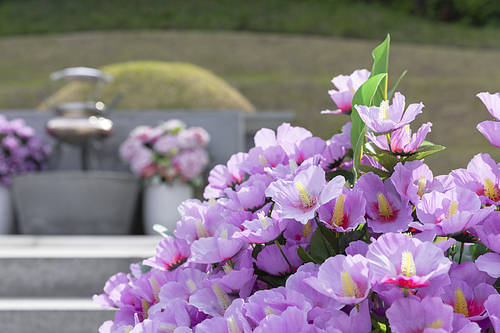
point(280, 54)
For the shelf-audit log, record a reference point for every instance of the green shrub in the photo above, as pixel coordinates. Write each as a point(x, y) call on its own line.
point(158, 85)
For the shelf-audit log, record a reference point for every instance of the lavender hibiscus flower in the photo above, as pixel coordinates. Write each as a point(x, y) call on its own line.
point(386, 118)
point(346, 88)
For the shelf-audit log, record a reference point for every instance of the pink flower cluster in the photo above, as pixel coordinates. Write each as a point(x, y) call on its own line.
point(20, 150)
point(288, 241)
point(168, 151)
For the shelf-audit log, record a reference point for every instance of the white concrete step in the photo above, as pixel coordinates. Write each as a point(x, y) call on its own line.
point(51, 315)
point(66, 266)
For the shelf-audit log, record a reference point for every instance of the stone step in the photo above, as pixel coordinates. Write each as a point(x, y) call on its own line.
point(66, 266)
point(51, 315)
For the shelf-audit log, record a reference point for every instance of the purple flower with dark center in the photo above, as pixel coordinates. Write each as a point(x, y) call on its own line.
point(386, 118)
point(450, 212)
point(402, 141)
point(346, 85)
point(410, 315)
point(407, 262)
point(222, 176)
point(300, 199)
point(386, 210)
point(170, 254)
point(345, 213)
point(482, 176)
point(286, 136)
point(347, 279)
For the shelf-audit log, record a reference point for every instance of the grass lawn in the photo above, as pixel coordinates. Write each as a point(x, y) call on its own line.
point(277, 72)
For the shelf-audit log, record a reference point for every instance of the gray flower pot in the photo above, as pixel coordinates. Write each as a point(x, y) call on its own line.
point(6, 211)
point(75, 202)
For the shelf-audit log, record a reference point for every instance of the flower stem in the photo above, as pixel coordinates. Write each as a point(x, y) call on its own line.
point(284, 256)
point(461, 253)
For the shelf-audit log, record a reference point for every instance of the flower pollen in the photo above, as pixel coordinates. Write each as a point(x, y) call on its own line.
point(338, 211)
point(231, 324)
point(348, 286)
point(491, 190)
point(436, 324)
point(421, 186)
point(384, 207)
point(460, 303)
point(408, 264)
point(384, 110)
point(452, 210)
point(305, 196)
point(222, 297)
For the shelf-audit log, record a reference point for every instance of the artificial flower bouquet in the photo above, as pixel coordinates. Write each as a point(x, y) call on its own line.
point(352, 234)
point(21, 150)
point(167, 152)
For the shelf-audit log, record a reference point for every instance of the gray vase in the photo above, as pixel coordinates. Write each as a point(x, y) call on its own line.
point(75, 202)
point(6, 211)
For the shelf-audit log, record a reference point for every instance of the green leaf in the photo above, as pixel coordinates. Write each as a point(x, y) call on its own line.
point(478, 250)
point(386, 159)
point(348, 175)
point(318, 248)
point(368, 168)
point(389, 96)
point(381, 65)
point(358, 153)
point(306, 257)
point(424, 151)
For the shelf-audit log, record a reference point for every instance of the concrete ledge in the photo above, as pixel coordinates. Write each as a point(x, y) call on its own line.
point(51, 315)
point(20, 246)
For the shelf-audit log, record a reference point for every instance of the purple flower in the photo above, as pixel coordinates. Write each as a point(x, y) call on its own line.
point(211, 250)
point(386, 118)
point(286, 136)
point(290, 320)
point(491, 131)
point(489, 231)
point(450, 212)
point(272, 261)
point(345, 278)
point(406, 262)
point(482, 176)
point(402, 141)
point(346, 85)
point(490, 264)
point(170, 254)
point(409, 315)
point(492, 306)
point(261, 230)
point(386, 210)
point(345, 213)
point(492, 103)
point(300, 199)
point(468, 300)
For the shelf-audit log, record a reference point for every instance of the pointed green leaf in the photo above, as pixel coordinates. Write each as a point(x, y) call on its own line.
point(381, 65)
point(424, 151)
point(368, 168)
point(306, 257)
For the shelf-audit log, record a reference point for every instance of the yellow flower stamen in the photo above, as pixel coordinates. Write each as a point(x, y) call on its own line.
point(306, 230)
point(305, 196)
point(408, 264)
point(264, 220)
point(262, 160)
point(460, 303)
point(421, 186)
point(191, 285)
point(491, 190)
point(384, 207)
point(348, 286)
point(384, 110)
point(155, 286)
point(231, 324)
point(222, 297)
point(436, 324)
point(227, 268)
point(268, 310)
point(338, 211)
point(145, 308)
point(407, 129)
point(453, 209)
point(200, 229)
